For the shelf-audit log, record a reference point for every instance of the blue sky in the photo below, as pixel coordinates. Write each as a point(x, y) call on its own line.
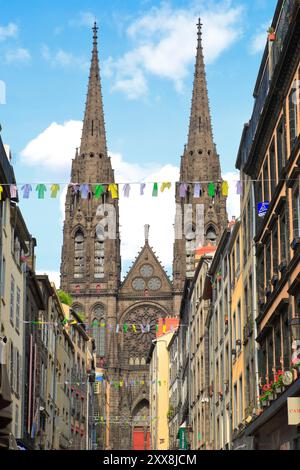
point(147, 51)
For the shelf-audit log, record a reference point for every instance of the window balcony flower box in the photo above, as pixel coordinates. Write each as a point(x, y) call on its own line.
point(267, 394)
point(271, 34)
point(277, 385)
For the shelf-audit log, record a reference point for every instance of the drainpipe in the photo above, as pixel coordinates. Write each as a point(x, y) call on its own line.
point(87, 429)
point(54, 389)
point(229, 352)
point(254, 295)
point(24, 268)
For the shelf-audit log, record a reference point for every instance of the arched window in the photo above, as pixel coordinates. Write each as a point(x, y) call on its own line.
point(79, 309)
point(79, 254)
point(99, 330)
point(211, 236)
point(99, 256)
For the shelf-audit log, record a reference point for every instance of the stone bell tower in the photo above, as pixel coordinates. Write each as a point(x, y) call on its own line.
point(91, 263)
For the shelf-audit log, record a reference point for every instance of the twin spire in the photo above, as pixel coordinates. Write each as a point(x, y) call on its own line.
point(200, 129)
point(93, 138)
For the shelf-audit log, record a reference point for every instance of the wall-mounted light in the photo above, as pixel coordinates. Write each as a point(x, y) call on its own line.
point(295, 327)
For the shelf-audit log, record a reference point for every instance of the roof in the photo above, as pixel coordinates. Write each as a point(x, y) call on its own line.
point(167, 325)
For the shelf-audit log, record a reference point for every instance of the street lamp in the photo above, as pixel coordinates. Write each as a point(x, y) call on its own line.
point(295, 327)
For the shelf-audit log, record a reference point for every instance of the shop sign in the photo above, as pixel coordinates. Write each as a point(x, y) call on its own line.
point(182, 439)
point(293, 404)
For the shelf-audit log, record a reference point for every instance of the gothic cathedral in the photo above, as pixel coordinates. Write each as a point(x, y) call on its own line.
point(91, 259)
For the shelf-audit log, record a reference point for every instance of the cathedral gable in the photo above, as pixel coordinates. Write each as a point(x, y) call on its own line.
point(146, 277)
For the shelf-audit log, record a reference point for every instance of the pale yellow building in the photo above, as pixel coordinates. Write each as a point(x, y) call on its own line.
point(79, 380)
point(159, 384)
point(237, 321)
point(15, 241)
point(65, 354)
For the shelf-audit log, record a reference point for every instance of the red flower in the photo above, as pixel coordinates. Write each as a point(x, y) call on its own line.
point(266, 387)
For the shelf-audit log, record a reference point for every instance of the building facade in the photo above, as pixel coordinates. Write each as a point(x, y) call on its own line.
point(7, 413)
point(199, 403)
point(159, 384)
point(174, 391)
point(217, 290)
point(269, 154)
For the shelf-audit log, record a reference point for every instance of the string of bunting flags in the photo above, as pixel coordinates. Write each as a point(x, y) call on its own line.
point(116, 383)
point(124, 327)
point(96, 190)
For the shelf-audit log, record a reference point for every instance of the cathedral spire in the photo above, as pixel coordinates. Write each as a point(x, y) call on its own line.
point(200, 129)
point(93, 133)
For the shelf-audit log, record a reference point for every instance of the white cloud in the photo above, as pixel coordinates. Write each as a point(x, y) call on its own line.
point(17, 55)
point(53, 149)
point(9, 31)
point(159, 212)
point(54, 276)
point(64, 59)
point(85, 18)
point(258, 40)
point(165, 44)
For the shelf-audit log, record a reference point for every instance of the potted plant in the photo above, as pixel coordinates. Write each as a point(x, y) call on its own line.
point(264, 400)
point(277, 385)
point(271, 34)
point(267, 394)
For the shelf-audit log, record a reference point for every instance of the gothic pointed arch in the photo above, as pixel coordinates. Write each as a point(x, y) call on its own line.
point(140, 404)
point(99, 255)
point(211, 234)
point(99, 328)
point(78, 308)
point(79, 253)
